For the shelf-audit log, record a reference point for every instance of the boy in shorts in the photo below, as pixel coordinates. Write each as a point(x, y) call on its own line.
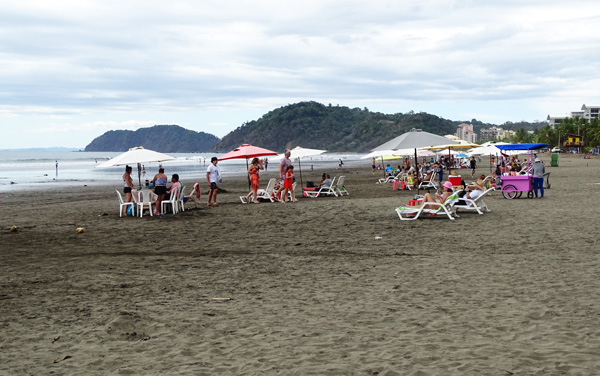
point(213, 176)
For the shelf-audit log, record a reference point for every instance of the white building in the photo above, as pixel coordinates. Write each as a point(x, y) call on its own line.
point(590, 112)
point(587, 112)
point(465, 132)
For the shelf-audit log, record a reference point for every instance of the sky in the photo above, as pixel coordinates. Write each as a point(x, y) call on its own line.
point(70, 70)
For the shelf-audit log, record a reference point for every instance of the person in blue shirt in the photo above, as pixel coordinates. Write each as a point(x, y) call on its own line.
point(389, 170)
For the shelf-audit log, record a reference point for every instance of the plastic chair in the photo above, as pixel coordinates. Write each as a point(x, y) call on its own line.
point(180, 200)
point(172, 201)
point(144, 202)
point(123, 204)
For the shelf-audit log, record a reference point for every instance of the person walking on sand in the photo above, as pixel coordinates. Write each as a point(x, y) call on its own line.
point(283, 166)
point(373, 165)
point(473, 165)
point(213, 176)
point(538, 171)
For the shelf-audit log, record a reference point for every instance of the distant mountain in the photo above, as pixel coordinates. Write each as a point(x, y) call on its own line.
point(332, 128)
point(161, 138)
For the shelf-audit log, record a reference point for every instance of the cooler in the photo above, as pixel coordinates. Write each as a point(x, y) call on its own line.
point(455, 180)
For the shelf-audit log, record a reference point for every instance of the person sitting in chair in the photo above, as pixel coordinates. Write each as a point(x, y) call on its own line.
point(440, 196)
point(389, 170)
point(326, 183)
point(176, 184)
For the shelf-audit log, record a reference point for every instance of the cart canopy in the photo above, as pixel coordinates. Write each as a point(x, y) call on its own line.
point(521, 146)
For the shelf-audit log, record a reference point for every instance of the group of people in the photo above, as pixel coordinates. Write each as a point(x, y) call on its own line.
point(159, 182)
point(284, 188)
point(446, 190)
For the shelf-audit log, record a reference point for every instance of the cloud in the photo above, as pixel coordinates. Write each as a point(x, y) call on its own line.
point(99, 126)
point(105, 60)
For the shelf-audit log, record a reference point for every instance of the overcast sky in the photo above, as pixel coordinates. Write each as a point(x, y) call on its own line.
point(71, 70)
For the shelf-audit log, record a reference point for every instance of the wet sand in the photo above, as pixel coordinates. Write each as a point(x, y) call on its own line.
point(325, 286)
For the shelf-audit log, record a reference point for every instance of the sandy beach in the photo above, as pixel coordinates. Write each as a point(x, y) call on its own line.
point(325, 286)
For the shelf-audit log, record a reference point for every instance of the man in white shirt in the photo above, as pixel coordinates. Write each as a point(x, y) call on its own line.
point(213, 176)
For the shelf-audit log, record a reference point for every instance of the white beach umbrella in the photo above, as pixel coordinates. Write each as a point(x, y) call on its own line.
point(137, 155)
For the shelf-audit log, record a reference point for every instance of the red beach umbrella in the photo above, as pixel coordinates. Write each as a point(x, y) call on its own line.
point(246, 151)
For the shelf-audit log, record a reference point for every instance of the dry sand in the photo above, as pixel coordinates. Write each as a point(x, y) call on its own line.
point(310, 289)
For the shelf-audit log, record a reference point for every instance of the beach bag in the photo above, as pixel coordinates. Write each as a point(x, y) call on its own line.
point(310, 184)
point(132, 209)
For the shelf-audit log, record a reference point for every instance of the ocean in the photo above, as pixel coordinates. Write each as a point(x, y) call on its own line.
point(37, 169)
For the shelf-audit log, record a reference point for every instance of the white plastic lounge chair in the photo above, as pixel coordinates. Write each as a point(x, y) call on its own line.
point(123, 204)
point(485, 182)
point(430, 183)
point(171, 201)
point(194, 196)
point(390, 179)
point(410, 213)
point(323, 191)
point(265, 194)
point(477, 204)
point(144, 201)
point(340, 188)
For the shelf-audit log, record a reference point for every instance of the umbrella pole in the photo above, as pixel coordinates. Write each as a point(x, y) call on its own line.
point(417, 170)
point(300, 170)
point(247, 174)
point(140, 174)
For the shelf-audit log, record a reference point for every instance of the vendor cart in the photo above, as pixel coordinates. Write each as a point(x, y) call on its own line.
point(514, 186)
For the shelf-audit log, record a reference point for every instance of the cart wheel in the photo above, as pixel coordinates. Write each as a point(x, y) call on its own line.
point(530, 194)
point(509, 192)
point(519, 194)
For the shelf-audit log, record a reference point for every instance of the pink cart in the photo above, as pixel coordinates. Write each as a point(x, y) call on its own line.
point(514, 186)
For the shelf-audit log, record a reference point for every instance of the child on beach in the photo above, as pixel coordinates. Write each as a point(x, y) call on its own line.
point(288, 184)
point(213, 176)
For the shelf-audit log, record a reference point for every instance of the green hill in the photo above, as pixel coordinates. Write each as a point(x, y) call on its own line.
point(333, 128)
point(161, 138)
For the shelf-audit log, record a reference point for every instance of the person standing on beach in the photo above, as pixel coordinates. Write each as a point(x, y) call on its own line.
point(288, 185)
point(473, 165)
point(56, 168)
point(538, 171)
point(255, 166)
point(213, 176)
point(283, 166)
point(127, 184)
point(160, 189)
point(373, 165)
